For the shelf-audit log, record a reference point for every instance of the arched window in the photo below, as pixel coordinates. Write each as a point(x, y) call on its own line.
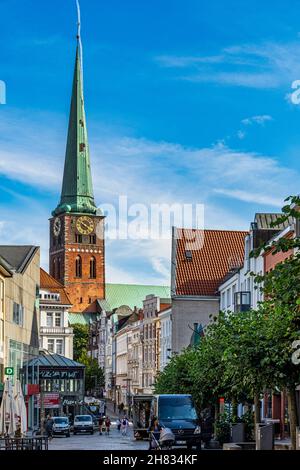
point(93, 269)
point(78, 267)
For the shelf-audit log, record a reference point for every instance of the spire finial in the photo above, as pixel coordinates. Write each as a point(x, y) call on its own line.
point(79, 20)
point(79, 38)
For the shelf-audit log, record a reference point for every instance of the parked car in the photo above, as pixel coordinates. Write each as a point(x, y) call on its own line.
point(83, 423)
point(61, 426)
point(178, 413)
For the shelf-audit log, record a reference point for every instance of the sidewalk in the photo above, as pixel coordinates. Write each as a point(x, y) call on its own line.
point(282, 444)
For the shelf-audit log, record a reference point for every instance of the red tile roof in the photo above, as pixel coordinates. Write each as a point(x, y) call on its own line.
point(51, 285)
point(213, 254)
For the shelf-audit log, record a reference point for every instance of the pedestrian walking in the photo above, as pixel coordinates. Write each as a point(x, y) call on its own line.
point(49, 427)
point(154, 433)
point(119, 424)
point(124, 426)
point(107, 426)
point(101, 420)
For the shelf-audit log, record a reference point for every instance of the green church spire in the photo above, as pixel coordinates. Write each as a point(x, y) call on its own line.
point(77, 188)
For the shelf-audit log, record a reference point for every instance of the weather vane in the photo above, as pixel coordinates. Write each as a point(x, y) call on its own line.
point(79, 36)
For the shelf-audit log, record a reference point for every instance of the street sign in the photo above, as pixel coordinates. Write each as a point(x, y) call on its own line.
point(9, 371)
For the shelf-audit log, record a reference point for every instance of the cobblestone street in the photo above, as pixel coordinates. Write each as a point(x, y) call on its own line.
point(115, 441)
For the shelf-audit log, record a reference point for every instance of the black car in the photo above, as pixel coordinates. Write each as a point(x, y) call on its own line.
point(61, 426)
point(178, 413)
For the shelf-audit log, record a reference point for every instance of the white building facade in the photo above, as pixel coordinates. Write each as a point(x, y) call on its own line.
point(165, 318)
point(55, 334)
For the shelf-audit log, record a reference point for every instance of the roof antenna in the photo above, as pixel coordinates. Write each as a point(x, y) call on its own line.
point(79, 36)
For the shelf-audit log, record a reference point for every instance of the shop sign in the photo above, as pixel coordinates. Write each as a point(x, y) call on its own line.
point(70, 401)
point(50, 400)
point(9, 371)
point(60, 374)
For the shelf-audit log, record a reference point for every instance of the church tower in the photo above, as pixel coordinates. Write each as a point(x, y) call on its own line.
point(77, 227)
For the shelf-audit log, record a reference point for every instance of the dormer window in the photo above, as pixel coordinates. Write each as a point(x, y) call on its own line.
point(188, 255)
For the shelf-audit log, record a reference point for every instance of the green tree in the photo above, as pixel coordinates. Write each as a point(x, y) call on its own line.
point(81, 340)
point(94, 375)
point(282, 310)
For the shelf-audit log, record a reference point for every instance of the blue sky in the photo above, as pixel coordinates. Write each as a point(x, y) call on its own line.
point(187, 102)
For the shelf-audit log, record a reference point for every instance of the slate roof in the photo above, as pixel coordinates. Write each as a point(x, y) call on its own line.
point(48, 283)
point(17, 257)
point(212, 254)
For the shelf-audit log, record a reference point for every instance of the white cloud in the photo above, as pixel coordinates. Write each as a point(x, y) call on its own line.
point(241, 134)
point(267, 65)
point(260, 120)
point(147, 172)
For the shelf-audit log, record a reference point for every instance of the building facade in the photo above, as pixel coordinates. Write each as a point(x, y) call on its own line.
point(21, 323)
point(165, 318)
point(55, 334)
point(150, 337)
point(238, 291)
point(5, 273)
point(200, 260)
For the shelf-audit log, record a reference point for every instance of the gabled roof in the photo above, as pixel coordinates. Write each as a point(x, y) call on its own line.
point(17, 257)
point(48, 283)
point(201, 259)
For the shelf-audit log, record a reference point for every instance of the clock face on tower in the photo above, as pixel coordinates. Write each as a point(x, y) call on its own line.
point(57, 226)
point(85, 225)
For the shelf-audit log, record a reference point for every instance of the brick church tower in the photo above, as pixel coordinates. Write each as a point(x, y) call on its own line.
point(77, 257)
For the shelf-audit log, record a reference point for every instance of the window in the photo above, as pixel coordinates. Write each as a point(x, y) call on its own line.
point(18, 314)
point(223, 300)
point(188, 255)
point(59, 346)
point(228, 298)
point(57, 319)
point(51, 345)
point(49, 320)
point(233, 292)
point(78, 267)
point(93, 270)
point(78, 238)
point(92, 239)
